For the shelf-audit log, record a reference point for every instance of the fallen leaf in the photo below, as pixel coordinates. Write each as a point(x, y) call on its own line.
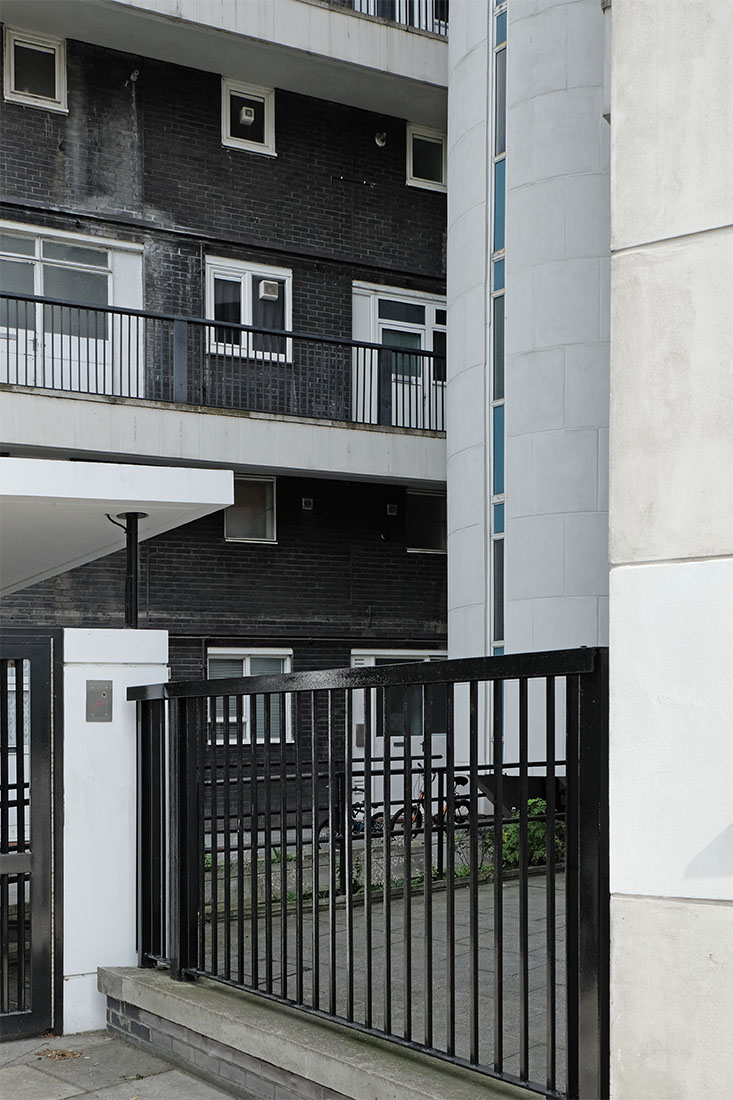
point(58, 1055)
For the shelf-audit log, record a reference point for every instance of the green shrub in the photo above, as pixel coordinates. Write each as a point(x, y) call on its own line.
point(536, 837)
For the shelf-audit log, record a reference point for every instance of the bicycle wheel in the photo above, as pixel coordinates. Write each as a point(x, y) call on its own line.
point(377, 824)
point(397, 822)
point(462, 811)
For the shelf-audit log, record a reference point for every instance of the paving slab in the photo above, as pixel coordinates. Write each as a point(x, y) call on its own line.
point(93, 1065)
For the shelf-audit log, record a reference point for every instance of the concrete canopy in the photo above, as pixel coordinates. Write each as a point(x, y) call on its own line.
point(53, 514)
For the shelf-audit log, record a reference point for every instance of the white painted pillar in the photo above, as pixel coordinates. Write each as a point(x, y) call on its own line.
point(99, 761)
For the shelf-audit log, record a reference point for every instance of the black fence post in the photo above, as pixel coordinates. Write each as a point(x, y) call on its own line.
point(185, 718)
point(180, 362)
point(588, 888)
point(150, 832)
point(384, 383)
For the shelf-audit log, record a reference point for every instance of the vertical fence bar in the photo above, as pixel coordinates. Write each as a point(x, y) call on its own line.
point(383, 728)
point(523, 886)
point(498, 766)
point(254, 841)
point(339, 825)
point(267, 735)
point(593, 890)
point(206, 751)
point(227, 811)
point(572, 916)
point(180, 362)
point(186, 721)
point(4, 836)
point(385, 359)
point(474, 868)
point(368, 812)
point(350, 876)
point(216, 731)
point(299, 782)
point(316, 868)
point(239, 720)
point(550, 887)
point(409, 825)
point(450, 900)
point(283, 704)
point(427, 707)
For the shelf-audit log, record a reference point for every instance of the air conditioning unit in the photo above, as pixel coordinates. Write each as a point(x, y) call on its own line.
point(246, 116)
point(269, 290)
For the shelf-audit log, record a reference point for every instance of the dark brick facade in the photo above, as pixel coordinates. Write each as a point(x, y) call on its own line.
point(142, 160)
point(339, 577)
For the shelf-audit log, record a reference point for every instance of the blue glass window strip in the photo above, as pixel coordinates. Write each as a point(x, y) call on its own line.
point(501, 28)
point(499, 275)
point(498, 519)
point(499, 204)
point(498, 650)
point(498, 450)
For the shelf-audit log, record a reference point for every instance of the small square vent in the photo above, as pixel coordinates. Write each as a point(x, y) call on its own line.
point(391, 509)
point(269, 290)
point(307, 504)
point(246, 116)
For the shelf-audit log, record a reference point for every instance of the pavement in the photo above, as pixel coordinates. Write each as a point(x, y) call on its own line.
point(93, 1064)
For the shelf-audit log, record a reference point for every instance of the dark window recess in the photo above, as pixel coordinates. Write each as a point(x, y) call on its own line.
point(247, 118)
point(409, 312)
point(35, 71)
point(498, 589)
point(441, 317)
point(227, 307)
point(499, 348)
point(252, 516)
point(268, 312)
point(427, 159)
point(440, 351)
point(426, 521)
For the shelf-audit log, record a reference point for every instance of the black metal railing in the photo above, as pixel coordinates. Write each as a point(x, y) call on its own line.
point(52, 344)
point(419, 851)
point(425, 15)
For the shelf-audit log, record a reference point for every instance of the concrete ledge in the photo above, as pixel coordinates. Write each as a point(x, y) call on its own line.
point(281, 1051)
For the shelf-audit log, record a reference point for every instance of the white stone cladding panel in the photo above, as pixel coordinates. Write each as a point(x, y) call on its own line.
point(538, 392)
point(672, 400)
point(565, 623)
point(672, 729)
point(586, 386)
point(672, 97)
point(672, 999)
point(565, 471)
point(535, 565)
point(586, 554)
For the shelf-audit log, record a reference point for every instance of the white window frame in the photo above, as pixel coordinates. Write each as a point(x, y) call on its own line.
point(33, 40)
point(374, 292)
point(267, 541)
point(414, 130)
point(424, 549)
point(367, 658)
point(234, 654)
point(251, 91)
point(244, 272)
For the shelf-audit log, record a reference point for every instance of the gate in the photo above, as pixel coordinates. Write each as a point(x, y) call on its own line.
point(29, 770)
point(449, 893)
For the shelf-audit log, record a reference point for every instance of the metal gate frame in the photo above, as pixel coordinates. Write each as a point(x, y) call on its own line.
point(44, 860)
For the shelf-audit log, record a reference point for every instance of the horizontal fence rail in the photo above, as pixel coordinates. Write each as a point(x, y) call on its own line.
point(405, 849)
point(51, 344)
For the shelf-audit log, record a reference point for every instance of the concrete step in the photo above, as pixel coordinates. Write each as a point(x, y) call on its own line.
point(253, 1046)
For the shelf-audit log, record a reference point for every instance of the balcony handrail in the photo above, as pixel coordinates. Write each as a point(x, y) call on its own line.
point(211, 322)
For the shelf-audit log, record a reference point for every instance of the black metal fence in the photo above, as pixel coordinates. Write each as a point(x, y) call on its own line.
point(419, 851)
point(51, 344)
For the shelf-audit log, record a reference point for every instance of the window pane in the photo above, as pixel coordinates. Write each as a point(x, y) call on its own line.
point(498, 450)
point(252, 516)
point(16, 278)
point(227, 307)
point(225, 668)
point(439, 361)
point(74, 253)
point(500, 144)
point(409, 312)
point(403, 366)
point(499, 203)
point(426, 522)
point(23, 246)
point(35, 71)
point(427, 159)
point(441, 316)
point(499, 347)
point(268, 312)
point(498, 519)
point(247, 118)
point(499, 275)
point(499, 588)
point(501, 28)
point(87, 288)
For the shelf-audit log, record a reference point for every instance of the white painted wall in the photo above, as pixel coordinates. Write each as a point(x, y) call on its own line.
point(100, 812)
point(557, 243)
point(671, 546)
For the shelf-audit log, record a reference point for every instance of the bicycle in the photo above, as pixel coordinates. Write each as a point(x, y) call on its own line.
point(461, 808)
point(358, 822)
